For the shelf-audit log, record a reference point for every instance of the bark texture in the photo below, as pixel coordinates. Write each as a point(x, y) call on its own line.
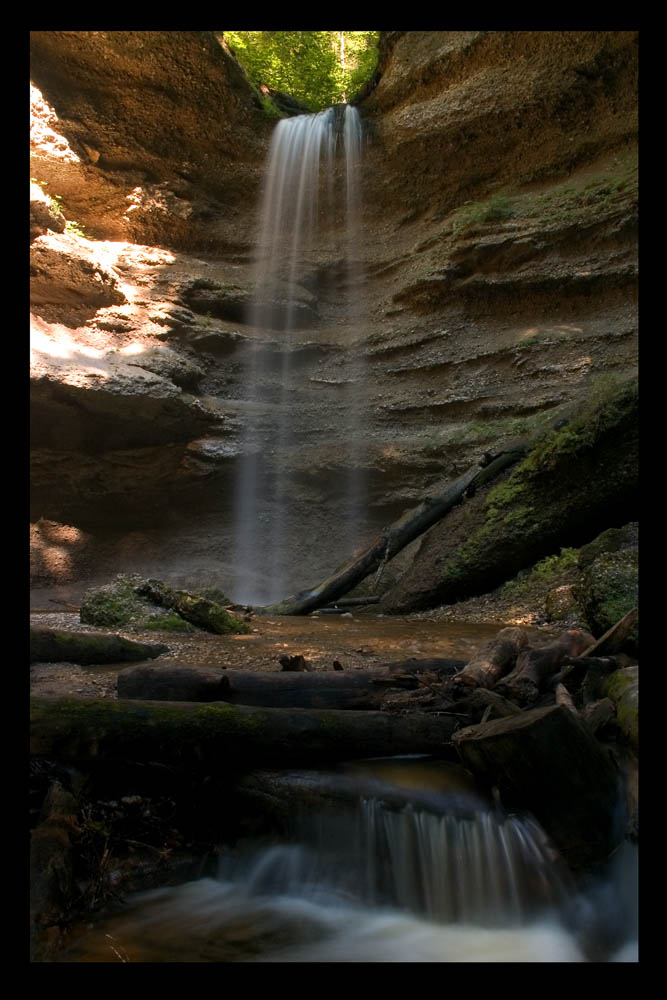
point(226, 738)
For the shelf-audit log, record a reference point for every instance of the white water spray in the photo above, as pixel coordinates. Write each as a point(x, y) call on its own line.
point(300, 206)
point(374, 885)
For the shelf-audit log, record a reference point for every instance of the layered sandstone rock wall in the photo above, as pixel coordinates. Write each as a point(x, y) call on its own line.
point(497, 267)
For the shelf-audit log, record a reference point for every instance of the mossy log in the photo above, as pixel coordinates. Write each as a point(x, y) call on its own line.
point(546, 761)
point(623, 688)
point(197, 610)
point(536, 666)
point(349, 689)
point(394, 539)
point(220, 738)
point(51, 646)
point(495, 659)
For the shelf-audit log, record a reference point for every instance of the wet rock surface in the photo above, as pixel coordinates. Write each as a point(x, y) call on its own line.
point(492, 297)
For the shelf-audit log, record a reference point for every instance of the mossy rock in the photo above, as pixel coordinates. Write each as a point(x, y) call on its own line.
point(561, 604)
point(575, 479)
point(117, 605)
point(612, 540)
point(609, 590)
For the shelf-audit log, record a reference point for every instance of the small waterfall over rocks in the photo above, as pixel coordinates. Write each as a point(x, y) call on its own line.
point(451, 859)
point(311, 158)
point(367, 871)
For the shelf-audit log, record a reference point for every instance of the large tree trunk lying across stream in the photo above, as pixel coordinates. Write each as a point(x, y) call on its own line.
point(349, 689)
point(221, 738)
point(409, 526)
point(544, 760)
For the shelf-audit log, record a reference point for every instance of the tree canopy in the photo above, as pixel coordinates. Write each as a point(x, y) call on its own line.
point(318, 68)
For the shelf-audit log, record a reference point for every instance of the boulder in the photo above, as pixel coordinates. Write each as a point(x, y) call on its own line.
point(609, 589)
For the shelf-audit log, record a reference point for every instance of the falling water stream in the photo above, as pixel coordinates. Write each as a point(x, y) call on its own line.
point(311, 158)
point(389, 870)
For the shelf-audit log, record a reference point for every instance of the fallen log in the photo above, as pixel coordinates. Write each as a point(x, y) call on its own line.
point(357, 602)
point(544, 760)
point(482, 705)
point(173, 682)
point(614, 637)
point(221, 738)
point(564, 698)
point(349, 689)
point(199, 611)
point(535, 666)
point(495, 659)
point(51, 646)
point(409, 526)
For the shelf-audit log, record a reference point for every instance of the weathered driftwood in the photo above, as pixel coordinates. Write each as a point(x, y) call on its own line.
point(349, 689)
point(614, 637)
point(199, 611)
point(576, 666)
point(564, 698)
point(535, 666)
point(495, 659)
point(480, 703)
point(409, 526)
point(51, 646)
point(51, 873)
point(218, 738)
point(544, 760)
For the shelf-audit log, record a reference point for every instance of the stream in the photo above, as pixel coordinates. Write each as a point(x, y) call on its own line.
point(418, 869)
point(414, 867)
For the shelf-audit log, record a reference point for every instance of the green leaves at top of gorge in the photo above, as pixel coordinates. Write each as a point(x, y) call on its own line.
point(318, 68)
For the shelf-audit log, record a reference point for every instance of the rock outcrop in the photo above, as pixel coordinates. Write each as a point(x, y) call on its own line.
point(580, 475)
point(499, 283)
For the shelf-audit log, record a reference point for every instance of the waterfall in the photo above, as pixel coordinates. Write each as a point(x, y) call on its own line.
point(401, 876)
point(474, 866)
point(310, 157)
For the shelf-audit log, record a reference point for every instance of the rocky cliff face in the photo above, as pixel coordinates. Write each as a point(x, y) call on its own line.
point(496, 277)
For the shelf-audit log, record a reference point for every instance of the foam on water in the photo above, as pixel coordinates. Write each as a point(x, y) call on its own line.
point(213, 921)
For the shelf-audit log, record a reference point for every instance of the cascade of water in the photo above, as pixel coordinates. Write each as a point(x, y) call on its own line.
point(297, 207)
point(373, 883)
point(483, 868)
